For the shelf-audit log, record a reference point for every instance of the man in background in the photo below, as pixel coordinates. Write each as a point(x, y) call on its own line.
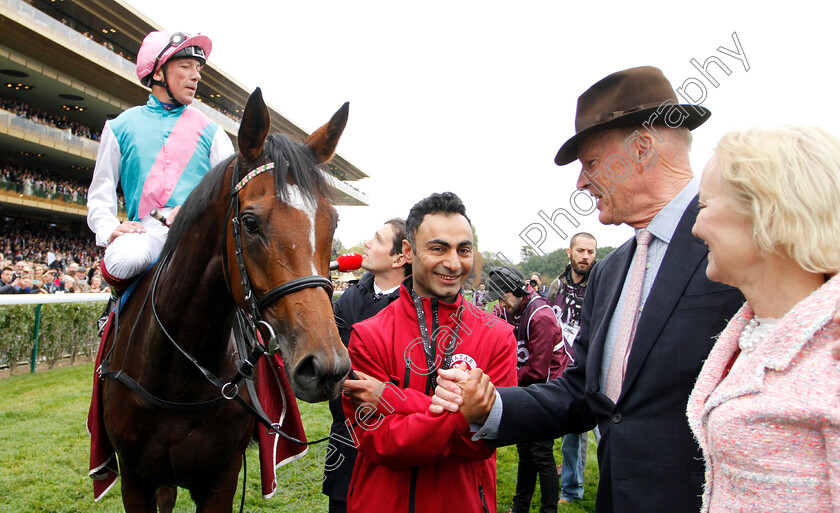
point(566, 297)
point(540, 356)
point(386, 267)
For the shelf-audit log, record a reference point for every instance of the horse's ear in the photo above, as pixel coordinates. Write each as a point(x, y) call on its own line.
point(324, 140)
point(254, 127)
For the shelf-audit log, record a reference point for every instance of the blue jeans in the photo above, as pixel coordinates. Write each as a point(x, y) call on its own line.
point(574, 461)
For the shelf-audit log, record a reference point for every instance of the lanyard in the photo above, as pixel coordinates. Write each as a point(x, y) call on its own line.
point(428, 347)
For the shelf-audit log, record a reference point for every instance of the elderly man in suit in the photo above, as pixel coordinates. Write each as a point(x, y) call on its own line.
point(649, 317)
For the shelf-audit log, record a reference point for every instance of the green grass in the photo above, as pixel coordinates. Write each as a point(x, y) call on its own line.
point(44, 450)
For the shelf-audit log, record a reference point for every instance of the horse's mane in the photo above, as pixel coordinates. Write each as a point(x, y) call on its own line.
point(294, 163)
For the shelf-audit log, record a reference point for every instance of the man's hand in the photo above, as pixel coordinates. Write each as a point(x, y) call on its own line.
point(447, 393)
point(474, 396)
point(479, 395)
point(365, 390)
point(171, 217)
point(126, 227)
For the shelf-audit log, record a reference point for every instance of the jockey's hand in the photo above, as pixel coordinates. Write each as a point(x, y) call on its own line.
point(365, 390)
point(171, 217)
point(126, 227)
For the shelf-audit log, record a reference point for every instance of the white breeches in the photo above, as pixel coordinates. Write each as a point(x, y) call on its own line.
point(130, 254)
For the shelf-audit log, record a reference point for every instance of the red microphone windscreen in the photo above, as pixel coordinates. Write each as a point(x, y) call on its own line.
point(349, 262)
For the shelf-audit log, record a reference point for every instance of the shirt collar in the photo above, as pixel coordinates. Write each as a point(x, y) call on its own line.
point(664, 224)
point(156, 104)
point(377, 290)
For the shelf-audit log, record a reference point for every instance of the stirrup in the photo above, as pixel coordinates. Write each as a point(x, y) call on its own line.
point(103, 319)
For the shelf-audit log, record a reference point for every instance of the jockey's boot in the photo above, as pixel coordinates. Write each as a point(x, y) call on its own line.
point(103, 319)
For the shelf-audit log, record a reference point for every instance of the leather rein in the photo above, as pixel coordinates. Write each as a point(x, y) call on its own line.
point(251, 322)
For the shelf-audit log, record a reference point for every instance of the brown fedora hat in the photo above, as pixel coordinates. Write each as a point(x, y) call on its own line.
point(627, 98)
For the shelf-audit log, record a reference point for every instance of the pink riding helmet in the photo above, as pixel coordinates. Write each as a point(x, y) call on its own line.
point(159, 47)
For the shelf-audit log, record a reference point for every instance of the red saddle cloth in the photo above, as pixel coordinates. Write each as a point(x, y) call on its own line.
point(275, 395)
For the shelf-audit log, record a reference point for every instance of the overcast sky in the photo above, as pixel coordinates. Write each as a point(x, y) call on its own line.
point(476, 97)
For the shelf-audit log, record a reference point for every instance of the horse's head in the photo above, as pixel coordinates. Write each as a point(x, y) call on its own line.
point(286, 226)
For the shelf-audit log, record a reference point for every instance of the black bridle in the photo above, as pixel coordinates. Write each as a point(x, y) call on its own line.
point(253, 320)
point(257, 305)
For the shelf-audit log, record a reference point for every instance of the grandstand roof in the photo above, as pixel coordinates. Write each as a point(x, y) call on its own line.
point(67, 59)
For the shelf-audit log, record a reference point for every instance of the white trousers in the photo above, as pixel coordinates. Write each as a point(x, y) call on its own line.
point(131, 253)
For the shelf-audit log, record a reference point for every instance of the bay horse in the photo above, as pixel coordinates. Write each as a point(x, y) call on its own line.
point(282, 223)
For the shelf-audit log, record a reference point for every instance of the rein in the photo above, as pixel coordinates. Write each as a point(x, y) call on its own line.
point(252, 321)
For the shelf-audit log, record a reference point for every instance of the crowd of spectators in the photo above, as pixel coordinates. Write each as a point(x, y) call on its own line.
point(38, 242)
point(30, 277)
point(24, 110)
point(47, 184)
point(44, 184)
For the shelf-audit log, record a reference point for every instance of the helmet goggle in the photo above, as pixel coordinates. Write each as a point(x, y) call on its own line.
point(177, 38)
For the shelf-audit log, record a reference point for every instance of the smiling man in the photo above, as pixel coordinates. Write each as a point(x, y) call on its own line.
point(380, 286)
point(408, 459)
point(650, 314)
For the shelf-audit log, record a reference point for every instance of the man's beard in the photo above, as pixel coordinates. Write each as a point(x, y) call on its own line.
point(581, 269)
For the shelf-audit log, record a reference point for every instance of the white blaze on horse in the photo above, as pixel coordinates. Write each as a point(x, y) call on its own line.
point(255, 235)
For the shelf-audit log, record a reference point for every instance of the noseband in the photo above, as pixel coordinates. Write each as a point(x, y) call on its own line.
point(257, 305)
point(245, 367)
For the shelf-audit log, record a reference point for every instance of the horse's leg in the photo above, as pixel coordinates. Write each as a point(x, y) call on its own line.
point(166, 496)
point(138, 495)
point(217, 497)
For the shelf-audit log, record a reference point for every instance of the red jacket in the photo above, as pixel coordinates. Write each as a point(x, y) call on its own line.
point(410, 460)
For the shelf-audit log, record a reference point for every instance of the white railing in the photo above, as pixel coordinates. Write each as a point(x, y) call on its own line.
point(51, 299)
point(43, 299)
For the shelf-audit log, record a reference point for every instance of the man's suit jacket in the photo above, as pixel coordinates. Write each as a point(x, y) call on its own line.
point(649, 461)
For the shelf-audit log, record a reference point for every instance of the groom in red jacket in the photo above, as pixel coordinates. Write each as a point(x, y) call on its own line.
point(408, 459)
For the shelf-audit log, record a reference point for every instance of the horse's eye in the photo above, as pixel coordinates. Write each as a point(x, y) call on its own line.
point(250, 223)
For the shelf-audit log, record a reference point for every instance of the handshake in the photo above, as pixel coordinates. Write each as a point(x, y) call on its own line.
point(470, 393)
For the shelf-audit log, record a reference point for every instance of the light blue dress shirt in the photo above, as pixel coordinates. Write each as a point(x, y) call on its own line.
point(663, 226)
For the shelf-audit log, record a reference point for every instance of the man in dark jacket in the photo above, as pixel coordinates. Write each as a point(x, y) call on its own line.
point(650, 315)
point(386, 267)
point(566, 297)
point(541, 355)
point(10, 283)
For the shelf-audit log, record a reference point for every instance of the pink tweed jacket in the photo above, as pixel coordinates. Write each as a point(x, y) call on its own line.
point(770, 432)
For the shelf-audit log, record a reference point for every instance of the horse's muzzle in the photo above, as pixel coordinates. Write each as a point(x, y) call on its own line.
point(317, 378)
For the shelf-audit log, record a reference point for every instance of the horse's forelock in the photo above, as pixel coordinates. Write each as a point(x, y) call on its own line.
point(294, 164)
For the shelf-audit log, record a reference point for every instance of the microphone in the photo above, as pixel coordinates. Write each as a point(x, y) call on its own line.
point(346, 262)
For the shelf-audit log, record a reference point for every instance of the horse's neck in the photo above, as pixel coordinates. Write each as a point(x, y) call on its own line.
point(193, 291)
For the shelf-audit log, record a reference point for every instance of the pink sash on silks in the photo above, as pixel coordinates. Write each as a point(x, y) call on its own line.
point(275, 396)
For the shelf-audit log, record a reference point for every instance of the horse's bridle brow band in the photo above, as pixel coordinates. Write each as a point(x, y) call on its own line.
point(295, 285)
point(247, 178)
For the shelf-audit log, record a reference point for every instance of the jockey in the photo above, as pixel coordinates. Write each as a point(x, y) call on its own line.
point(158, 152)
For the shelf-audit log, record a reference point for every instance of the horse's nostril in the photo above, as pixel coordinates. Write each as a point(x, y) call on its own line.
point(312, 370)
point(307, 369)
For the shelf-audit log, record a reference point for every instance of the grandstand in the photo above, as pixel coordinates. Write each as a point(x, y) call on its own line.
point(65, 68)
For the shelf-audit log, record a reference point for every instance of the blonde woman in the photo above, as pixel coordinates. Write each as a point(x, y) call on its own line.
point(766, 406)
